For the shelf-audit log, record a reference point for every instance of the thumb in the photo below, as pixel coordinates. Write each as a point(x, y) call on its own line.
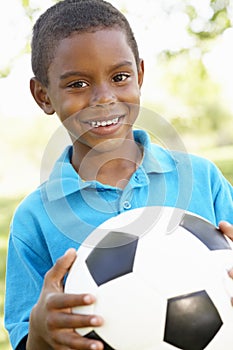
point(226, 228)
point(57, 273)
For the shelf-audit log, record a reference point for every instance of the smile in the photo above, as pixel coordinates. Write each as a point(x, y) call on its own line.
point(97, 124)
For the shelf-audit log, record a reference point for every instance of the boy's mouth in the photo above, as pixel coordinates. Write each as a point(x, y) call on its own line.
point(103, 123)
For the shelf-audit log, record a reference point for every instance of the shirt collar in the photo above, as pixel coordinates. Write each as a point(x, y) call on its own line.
point(64, 180)
point(155, 158)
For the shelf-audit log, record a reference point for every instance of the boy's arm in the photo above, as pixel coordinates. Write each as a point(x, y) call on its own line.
point(51, 322)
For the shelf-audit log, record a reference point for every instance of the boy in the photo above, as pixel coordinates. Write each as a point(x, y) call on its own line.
point(88, 71)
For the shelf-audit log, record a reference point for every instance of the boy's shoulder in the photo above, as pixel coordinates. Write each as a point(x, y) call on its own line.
point(180, 157)
point(198, 166)
point(31, 203)
point(62, 171)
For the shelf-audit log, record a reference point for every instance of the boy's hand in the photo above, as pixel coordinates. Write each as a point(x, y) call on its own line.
point(227, 229)
point(52, 323)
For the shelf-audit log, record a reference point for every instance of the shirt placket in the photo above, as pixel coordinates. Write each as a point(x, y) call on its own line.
point(130, 195)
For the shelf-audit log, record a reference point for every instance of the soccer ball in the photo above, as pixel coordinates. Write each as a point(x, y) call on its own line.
point(160, 279)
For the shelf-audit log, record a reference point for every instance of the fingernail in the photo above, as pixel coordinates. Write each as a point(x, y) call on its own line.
point(70, 250)
point(227, 224)
point(94, 321)
point(93, 346)
point(88, 299)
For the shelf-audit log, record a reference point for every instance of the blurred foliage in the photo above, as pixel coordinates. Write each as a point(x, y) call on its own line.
point(29, 10)
point(5, 72)
point(205, 24)
point(187, 80)
point(208, 28)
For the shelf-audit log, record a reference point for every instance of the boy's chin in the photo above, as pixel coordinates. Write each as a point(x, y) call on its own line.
point(115, 146)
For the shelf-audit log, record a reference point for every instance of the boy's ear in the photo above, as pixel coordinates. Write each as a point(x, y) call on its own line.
point(140, 73)
point(39, 92)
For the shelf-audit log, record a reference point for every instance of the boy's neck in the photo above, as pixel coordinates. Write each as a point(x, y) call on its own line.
point(113, 168)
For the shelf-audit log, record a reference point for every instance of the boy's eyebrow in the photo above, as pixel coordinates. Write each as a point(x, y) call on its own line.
point(69, 74)
point(77, 73)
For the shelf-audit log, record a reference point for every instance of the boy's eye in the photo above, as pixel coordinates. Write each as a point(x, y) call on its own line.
point(78, 84)
point(120, 77)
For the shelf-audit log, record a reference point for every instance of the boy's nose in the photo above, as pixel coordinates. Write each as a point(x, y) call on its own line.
point(102, 94)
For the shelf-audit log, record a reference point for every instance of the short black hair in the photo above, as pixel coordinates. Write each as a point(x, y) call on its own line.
point(67, 17)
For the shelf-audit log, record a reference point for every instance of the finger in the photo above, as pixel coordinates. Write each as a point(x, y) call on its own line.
point(73, 321)
point(58, 271)
point(72, 340)
point(226, 228)
point(68, 301)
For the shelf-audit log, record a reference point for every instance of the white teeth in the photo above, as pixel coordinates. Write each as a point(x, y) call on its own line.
point(115, 121)
point(96, 124)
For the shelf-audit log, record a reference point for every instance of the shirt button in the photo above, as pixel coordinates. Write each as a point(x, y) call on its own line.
point(126, 205)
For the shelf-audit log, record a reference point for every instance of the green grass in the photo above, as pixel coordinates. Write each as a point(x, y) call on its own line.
point(7, 207)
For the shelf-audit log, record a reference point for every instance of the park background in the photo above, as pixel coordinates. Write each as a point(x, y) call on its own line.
point(187, 46)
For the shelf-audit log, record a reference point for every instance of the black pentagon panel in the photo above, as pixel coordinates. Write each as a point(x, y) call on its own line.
point(205, 232)
point(94, 335)
point(192, 321)
point(112, 257)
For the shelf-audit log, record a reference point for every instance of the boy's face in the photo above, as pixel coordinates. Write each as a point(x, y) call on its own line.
point(94, 87)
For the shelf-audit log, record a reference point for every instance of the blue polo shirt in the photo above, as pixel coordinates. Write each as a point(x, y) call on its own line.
point(64, 210)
